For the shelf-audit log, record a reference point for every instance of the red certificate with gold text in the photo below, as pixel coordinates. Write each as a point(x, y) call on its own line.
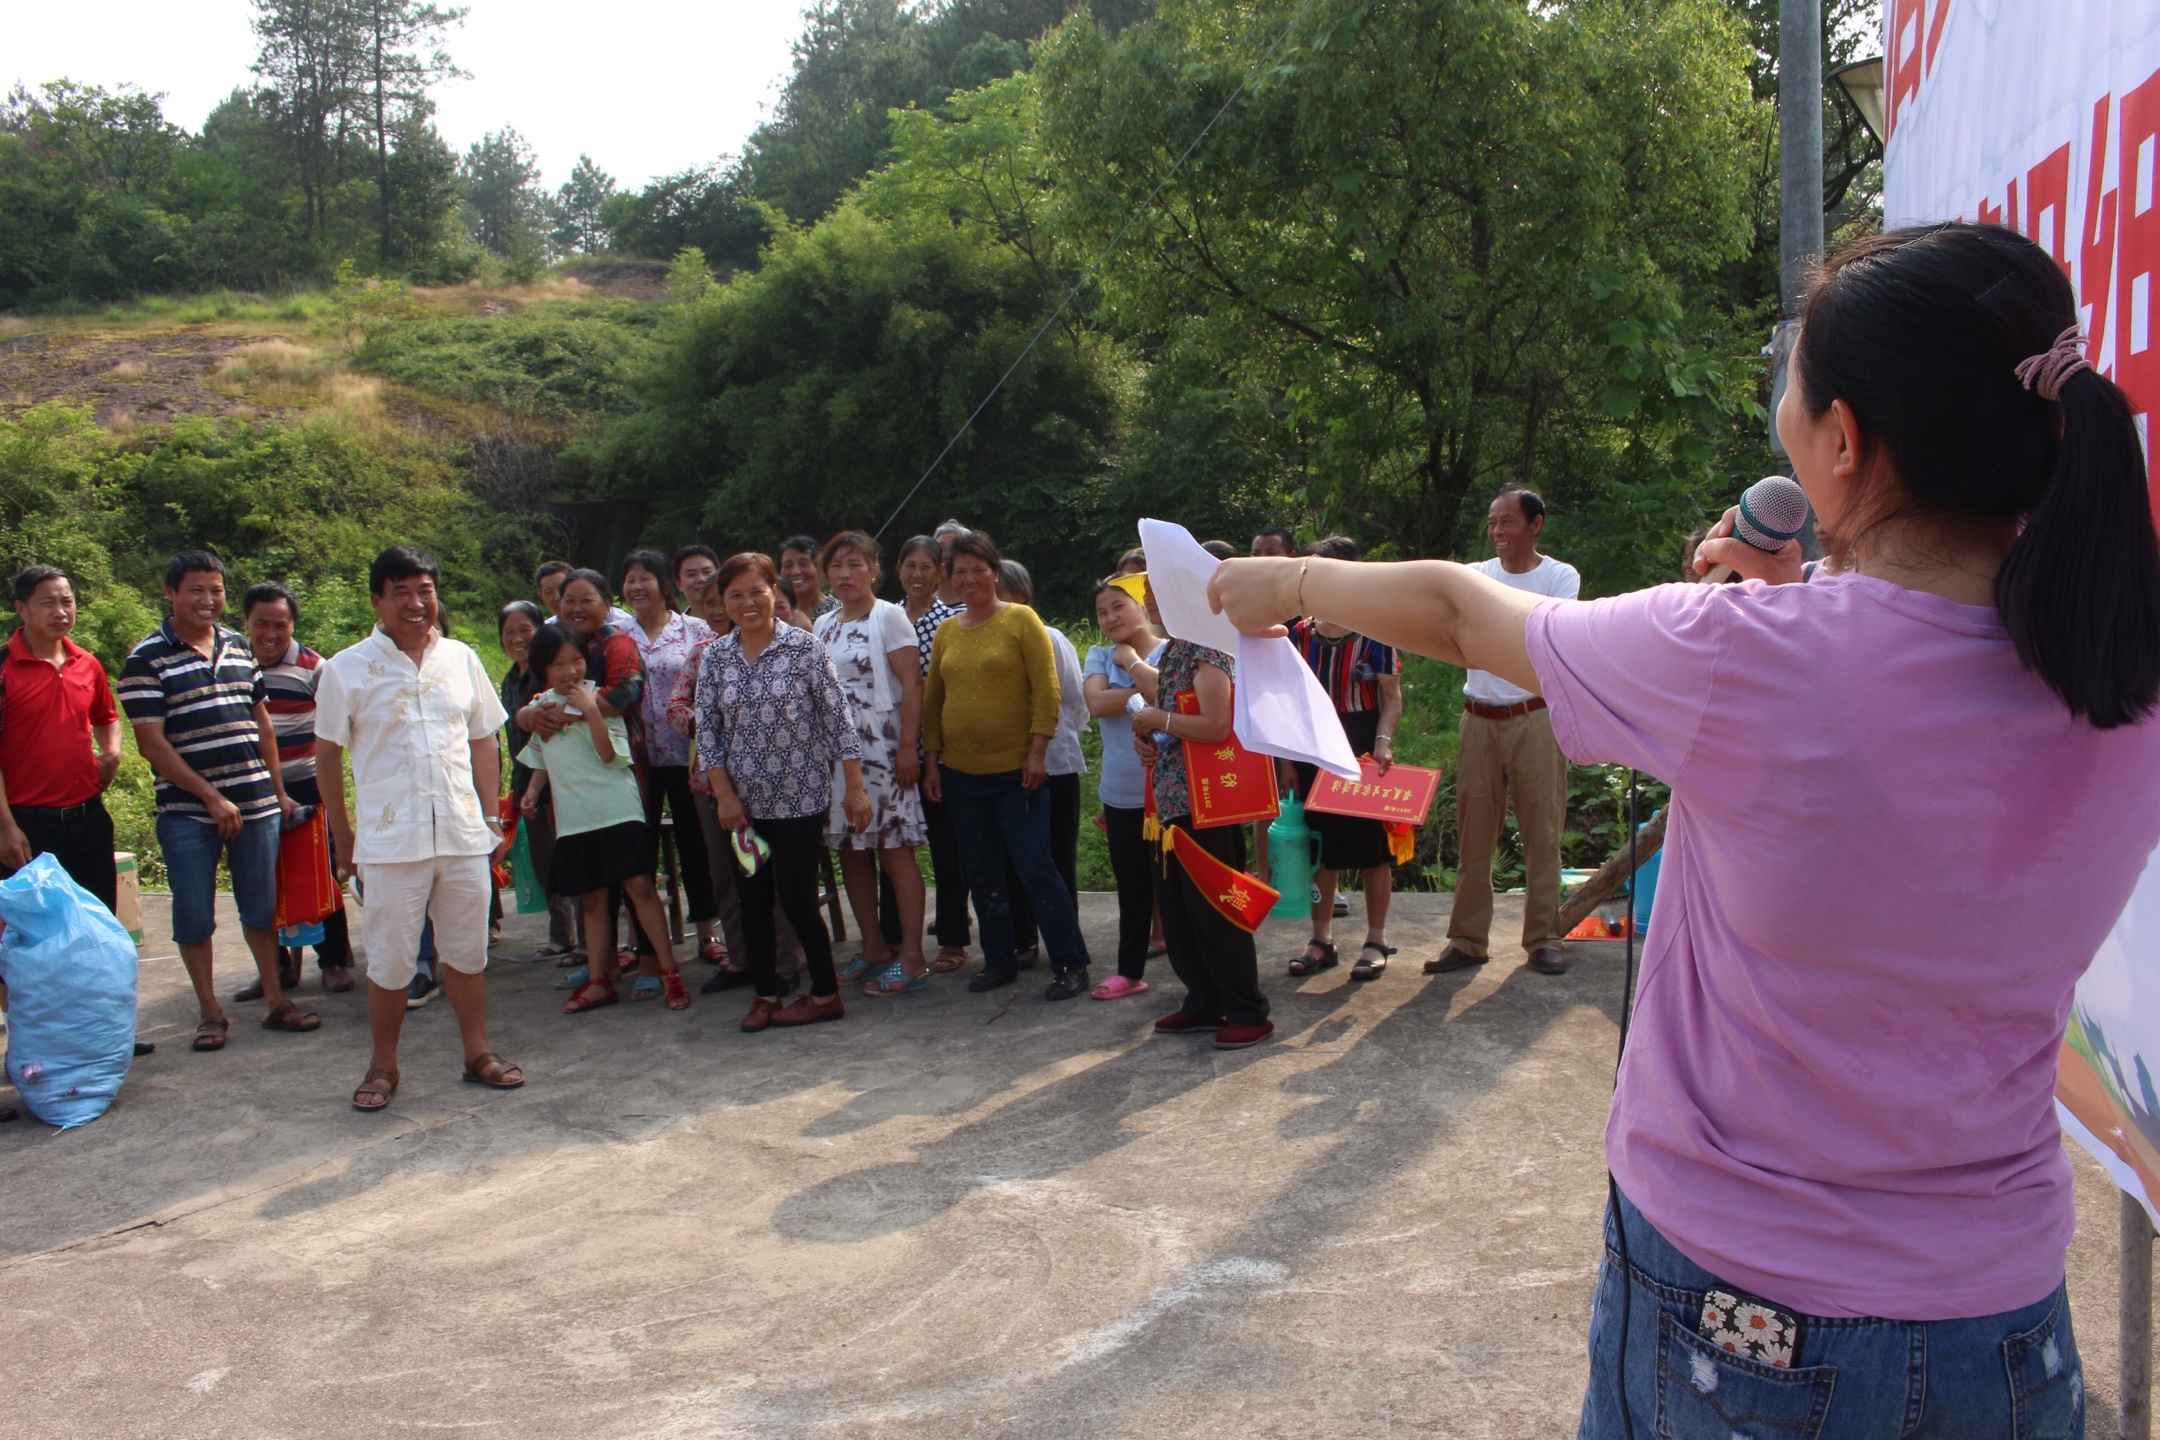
point(1230, 784)
point(1403, 796)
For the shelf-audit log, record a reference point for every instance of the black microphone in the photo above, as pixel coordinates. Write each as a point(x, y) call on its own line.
point(1772, 511)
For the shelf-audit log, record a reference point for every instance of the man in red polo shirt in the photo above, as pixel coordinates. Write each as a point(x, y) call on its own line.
point(55, 706)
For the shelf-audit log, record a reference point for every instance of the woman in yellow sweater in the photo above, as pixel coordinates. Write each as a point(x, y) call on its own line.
point(990, 706)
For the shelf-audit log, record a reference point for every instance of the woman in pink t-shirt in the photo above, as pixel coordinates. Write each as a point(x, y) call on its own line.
point(1834, 1125)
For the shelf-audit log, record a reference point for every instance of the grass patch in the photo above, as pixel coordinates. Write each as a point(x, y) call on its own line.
point(248, 306)
point(554, 361)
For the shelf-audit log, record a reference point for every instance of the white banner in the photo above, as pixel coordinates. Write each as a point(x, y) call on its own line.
point(2043, 115)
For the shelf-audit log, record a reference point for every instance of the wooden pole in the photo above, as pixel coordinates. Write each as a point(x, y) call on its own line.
point(1615, 873)
point(2133, 1331)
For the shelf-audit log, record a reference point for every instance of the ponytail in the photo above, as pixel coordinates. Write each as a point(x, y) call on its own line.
point(1933, 335)
point(2079, 591)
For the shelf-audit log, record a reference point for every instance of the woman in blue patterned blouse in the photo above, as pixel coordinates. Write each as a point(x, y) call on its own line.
point(771, 723)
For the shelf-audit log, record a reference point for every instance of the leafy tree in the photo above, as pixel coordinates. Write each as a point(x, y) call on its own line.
point(1397, 227)
point(311, 58)
point(708, 209)
point(502, 190)
point(426, 195)
point(395, 75)
point(84, 181)
point(814, 392)
point(860, 60)
point(1852, 157)
point(581, 207)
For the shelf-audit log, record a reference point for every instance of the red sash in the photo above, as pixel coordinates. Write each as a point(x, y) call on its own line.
point(1241, 899)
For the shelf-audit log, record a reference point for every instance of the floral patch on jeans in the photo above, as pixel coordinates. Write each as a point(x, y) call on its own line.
point(1746, 1326)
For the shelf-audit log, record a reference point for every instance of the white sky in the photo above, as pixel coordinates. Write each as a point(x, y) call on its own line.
point(646, 87)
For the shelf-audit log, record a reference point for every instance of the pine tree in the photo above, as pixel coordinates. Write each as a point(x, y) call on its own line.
point(580, 228)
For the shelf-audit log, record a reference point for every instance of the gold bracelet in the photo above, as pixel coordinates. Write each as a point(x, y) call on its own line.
point(1303, 566)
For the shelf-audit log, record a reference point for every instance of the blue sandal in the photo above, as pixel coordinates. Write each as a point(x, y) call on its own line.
point(893, 980)
point(575, 980)
point(645, 987)
point(855, 971)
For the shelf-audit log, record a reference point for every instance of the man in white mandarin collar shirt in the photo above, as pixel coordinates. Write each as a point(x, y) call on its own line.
point(417, 713)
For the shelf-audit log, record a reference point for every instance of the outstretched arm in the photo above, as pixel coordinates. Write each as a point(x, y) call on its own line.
point(1428, 607)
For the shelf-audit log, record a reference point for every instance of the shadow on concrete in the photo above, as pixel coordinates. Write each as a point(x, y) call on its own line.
point(1383, 1098)
point(1045, 1132)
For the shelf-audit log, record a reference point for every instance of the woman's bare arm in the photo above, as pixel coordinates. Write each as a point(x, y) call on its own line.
point(1428, 607)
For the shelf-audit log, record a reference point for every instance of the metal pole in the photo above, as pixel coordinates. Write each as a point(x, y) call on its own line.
point(1800, 84)
point(2133, 1332)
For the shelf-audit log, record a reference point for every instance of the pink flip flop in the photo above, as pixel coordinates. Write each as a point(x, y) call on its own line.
point(1117, 987)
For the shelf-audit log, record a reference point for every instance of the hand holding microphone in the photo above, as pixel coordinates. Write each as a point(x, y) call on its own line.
point(1755, 540)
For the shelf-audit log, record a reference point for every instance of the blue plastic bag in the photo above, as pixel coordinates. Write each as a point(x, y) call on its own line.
point(70, 971)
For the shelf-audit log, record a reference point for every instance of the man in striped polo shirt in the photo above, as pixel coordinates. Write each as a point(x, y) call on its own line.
point(290, 671)
point(195, 697)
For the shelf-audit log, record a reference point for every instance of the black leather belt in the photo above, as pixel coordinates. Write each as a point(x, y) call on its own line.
point(60, 815)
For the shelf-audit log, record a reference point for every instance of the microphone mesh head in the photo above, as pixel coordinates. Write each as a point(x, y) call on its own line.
point(1772, 510)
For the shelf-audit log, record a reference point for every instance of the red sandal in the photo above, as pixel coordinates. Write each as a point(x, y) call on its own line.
point(676, 996)
point(591, 996)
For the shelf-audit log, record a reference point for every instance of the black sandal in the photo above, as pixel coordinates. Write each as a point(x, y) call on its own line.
point(1367, 968)
point(1309, 964)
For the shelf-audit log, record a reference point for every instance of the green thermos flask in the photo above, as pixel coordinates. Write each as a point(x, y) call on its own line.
point(1290, 860)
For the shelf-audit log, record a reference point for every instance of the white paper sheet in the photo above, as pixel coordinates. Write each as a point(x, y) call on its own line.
point(1281, 709)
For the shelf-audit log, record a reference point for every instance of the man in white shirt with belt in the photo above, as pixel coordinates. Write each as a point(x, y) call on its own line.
point(417, 713)
point(1508, 754)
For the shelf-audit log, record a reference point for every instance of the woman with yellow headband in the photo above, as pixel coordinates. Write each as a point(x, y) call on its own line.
point(1111, 684)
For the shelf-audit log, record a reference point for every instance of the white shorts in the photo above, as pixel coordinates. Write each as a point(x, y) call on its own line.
point(398, 899)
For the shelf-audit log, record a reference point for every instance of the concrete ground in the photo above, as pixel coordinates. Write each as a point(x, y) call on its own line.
point(949, 1214)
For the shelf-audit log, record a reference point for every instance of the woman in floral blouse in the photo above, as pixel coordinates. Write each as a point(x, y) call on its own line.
point(1213, 956)
point(771, 722)
point(874, 650)
point(723, 873)
point(664, 640)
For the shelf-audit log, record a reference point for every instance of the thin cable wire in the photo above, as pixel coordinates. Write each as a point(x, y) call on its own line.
point(1089, 274)
point(1612, 1184)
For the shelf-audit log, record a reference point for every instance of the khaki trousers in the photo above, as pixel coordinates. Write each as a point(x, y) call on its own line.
point(1502, 762)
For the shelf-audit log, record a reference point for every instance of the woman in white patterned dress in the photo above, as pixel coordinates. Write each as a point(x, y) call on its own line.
point(873, 647)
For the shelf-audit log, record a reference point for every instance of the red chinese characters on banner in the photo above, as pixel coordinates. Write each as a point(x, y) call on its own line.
point(1229, 784)
point(2137, 248)
point(1916, 28)
point(2111, 248)
point(2047, 206)
point(2096, 243)
point(1403, 796)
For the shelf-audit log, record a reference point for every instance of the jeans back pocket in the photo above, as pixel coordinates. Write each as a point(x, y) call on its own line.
point(1707, 1393)
point(2047, 1381)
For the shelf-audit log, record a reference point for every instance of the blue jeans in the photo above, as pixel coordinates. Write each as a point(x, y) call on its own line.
point(192, 848)
point(2014, 1374)
point(993, 817)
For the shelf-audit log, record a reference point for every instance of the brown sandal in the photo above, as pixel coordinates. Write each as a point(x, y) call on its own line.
point(949, 959)
point(493, 1071)
point(378, 1083)
point(291, 1018)
point(210, 1035)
